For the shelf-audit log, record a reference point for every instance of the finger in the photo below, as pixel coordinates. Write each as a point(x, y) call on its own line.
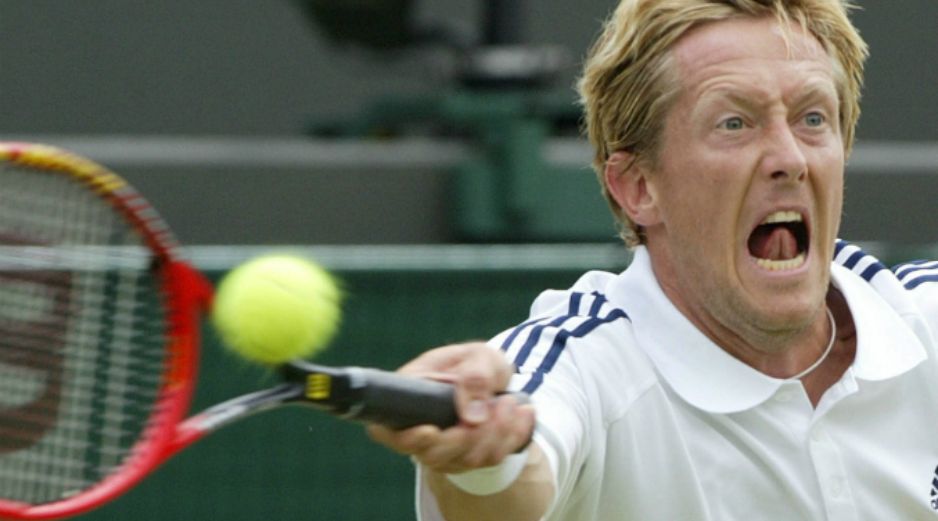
point(408, 441)
point(439, 360)
point(508, 431)
point(526, 423)
point(505, 369)
point(481, 374)
point(446, 455)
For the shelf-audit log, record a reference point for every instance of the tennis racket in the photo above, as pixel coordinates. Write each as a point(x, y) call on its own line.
point(99, 324)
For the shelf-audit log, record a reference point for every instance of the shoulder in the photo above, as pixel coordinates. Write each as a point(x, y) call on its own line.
point(579, 338)
point(919, 277)
point(589, 289)
point(909, 287)
point(920, 280)
point(559, 316)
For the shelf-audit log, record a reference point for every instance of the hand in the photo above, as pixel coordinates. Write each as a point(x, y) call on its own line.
point(491, 427)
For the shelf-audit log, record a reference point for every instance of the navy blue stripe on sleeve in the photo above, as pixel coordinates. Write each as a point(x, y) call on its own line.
point(560, 343)
point(534, 336)
point(537, 326)
point(598, 301)
point(915, 273)
point(582, 316)
point(852, 257)
point(910, 274)
point(918, 281)
point(510, 339)
point(872, 270)
point(907, 268)
point(839, 245)
point(574, 306)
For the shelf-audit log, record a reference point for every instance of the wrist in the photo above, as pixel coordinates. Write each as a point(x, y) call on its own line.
point(491, 480)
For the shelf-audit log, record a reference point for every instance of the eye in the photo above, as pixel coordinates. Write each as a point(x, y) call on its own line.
point(732, 123)
point(815, 119)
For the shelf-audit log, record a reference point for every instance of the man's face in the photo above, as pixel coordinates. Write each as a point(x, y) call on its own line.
point(748, 186)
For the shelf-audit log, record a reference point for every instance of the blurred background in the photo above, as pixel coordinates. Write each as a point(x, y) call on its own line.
point(427, 151)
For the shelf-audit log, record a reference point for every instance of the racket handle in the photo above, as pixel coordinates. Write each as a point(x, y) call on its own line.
point(400, 402)
point(376, 396)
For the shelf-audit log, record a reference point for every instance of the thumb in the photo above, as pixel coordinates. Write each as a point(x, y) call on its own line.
point(473, 395)
point(480, 377)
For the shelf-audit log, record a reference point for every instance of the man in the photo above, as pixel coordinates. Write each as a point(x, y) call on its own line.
point(733, 371)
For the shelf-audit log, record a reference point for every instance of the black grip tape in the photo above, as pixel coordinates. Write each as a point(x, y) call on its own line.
point(399, 401)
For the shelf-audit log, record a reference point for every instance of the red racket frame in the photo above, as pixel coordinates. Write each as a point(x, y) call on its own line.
point(187, 294)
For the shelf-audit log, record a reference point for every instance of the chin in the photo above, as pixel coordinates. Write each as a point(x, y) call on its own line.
point(788, 312)
point(786, 318)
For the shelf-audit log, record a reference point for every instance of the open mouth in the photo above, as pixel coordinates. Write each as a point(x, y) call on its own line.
point(780, 241)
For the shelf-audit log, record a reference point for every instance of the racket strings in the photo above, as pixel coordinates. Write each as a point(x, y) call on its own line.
point(81, 347)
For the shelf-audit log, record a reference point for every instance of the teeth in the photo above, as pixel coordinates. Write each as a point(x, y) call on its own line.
point(781, 265)
point(782, 217)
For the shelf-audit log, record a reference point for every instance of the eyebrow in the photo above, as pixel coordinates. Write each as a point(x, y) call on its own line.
point(746, 97)
point(814, 90)
point(756, 97)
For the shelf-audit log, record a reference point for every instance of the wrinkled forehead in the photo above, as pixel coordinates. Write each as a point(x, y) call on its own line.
point(746, 38)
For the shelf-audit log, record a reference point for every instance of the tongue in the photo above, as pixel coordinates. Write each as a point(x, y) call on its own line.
point(773, 243)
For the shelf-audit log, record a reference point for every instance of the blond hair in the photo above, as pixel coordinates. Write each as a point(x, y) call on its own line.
point(629, 81)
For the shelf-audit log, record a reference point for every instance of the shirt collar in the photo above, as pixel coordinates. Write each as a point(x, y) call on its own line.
point(886, 344)
point(711, 379)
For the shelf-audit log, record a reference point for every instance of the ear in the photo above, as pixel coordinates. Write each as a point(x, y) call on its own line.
point(627, 183)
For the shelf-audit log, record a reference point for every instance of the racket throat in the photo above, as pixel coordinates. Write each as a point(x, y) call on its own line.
point(338, 391)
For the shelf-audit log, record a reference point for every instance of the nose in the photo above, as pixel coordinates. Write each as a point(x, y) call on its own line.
point(784, 159)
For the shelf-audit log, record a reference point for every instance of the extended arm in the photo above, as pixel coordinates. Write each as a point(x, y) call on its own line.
point(491, 429)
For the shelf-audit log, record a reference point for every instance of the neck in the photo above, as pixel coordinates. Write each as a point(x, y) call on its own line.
point(783, 354)
point(832, 324)
point(779, 352)
point(842, 355)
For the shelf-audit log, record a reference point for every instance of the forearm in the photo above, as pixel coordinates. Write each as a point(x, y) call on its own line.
point(526, 499)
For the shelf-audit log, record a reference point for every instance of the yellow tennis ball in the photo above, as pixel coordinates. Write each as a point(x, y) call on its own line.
point(276, 308)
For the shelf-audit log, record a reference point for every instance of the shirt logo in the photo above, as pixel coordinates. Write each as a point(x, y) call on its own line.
point(934, 491)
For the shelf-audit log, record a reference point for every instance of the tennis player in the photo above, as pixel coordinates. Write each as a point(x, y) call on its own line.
point(747, 365)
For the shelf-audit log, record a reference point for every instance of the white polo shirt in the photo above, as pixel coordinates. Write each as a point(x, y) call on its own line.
point(643, 418)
